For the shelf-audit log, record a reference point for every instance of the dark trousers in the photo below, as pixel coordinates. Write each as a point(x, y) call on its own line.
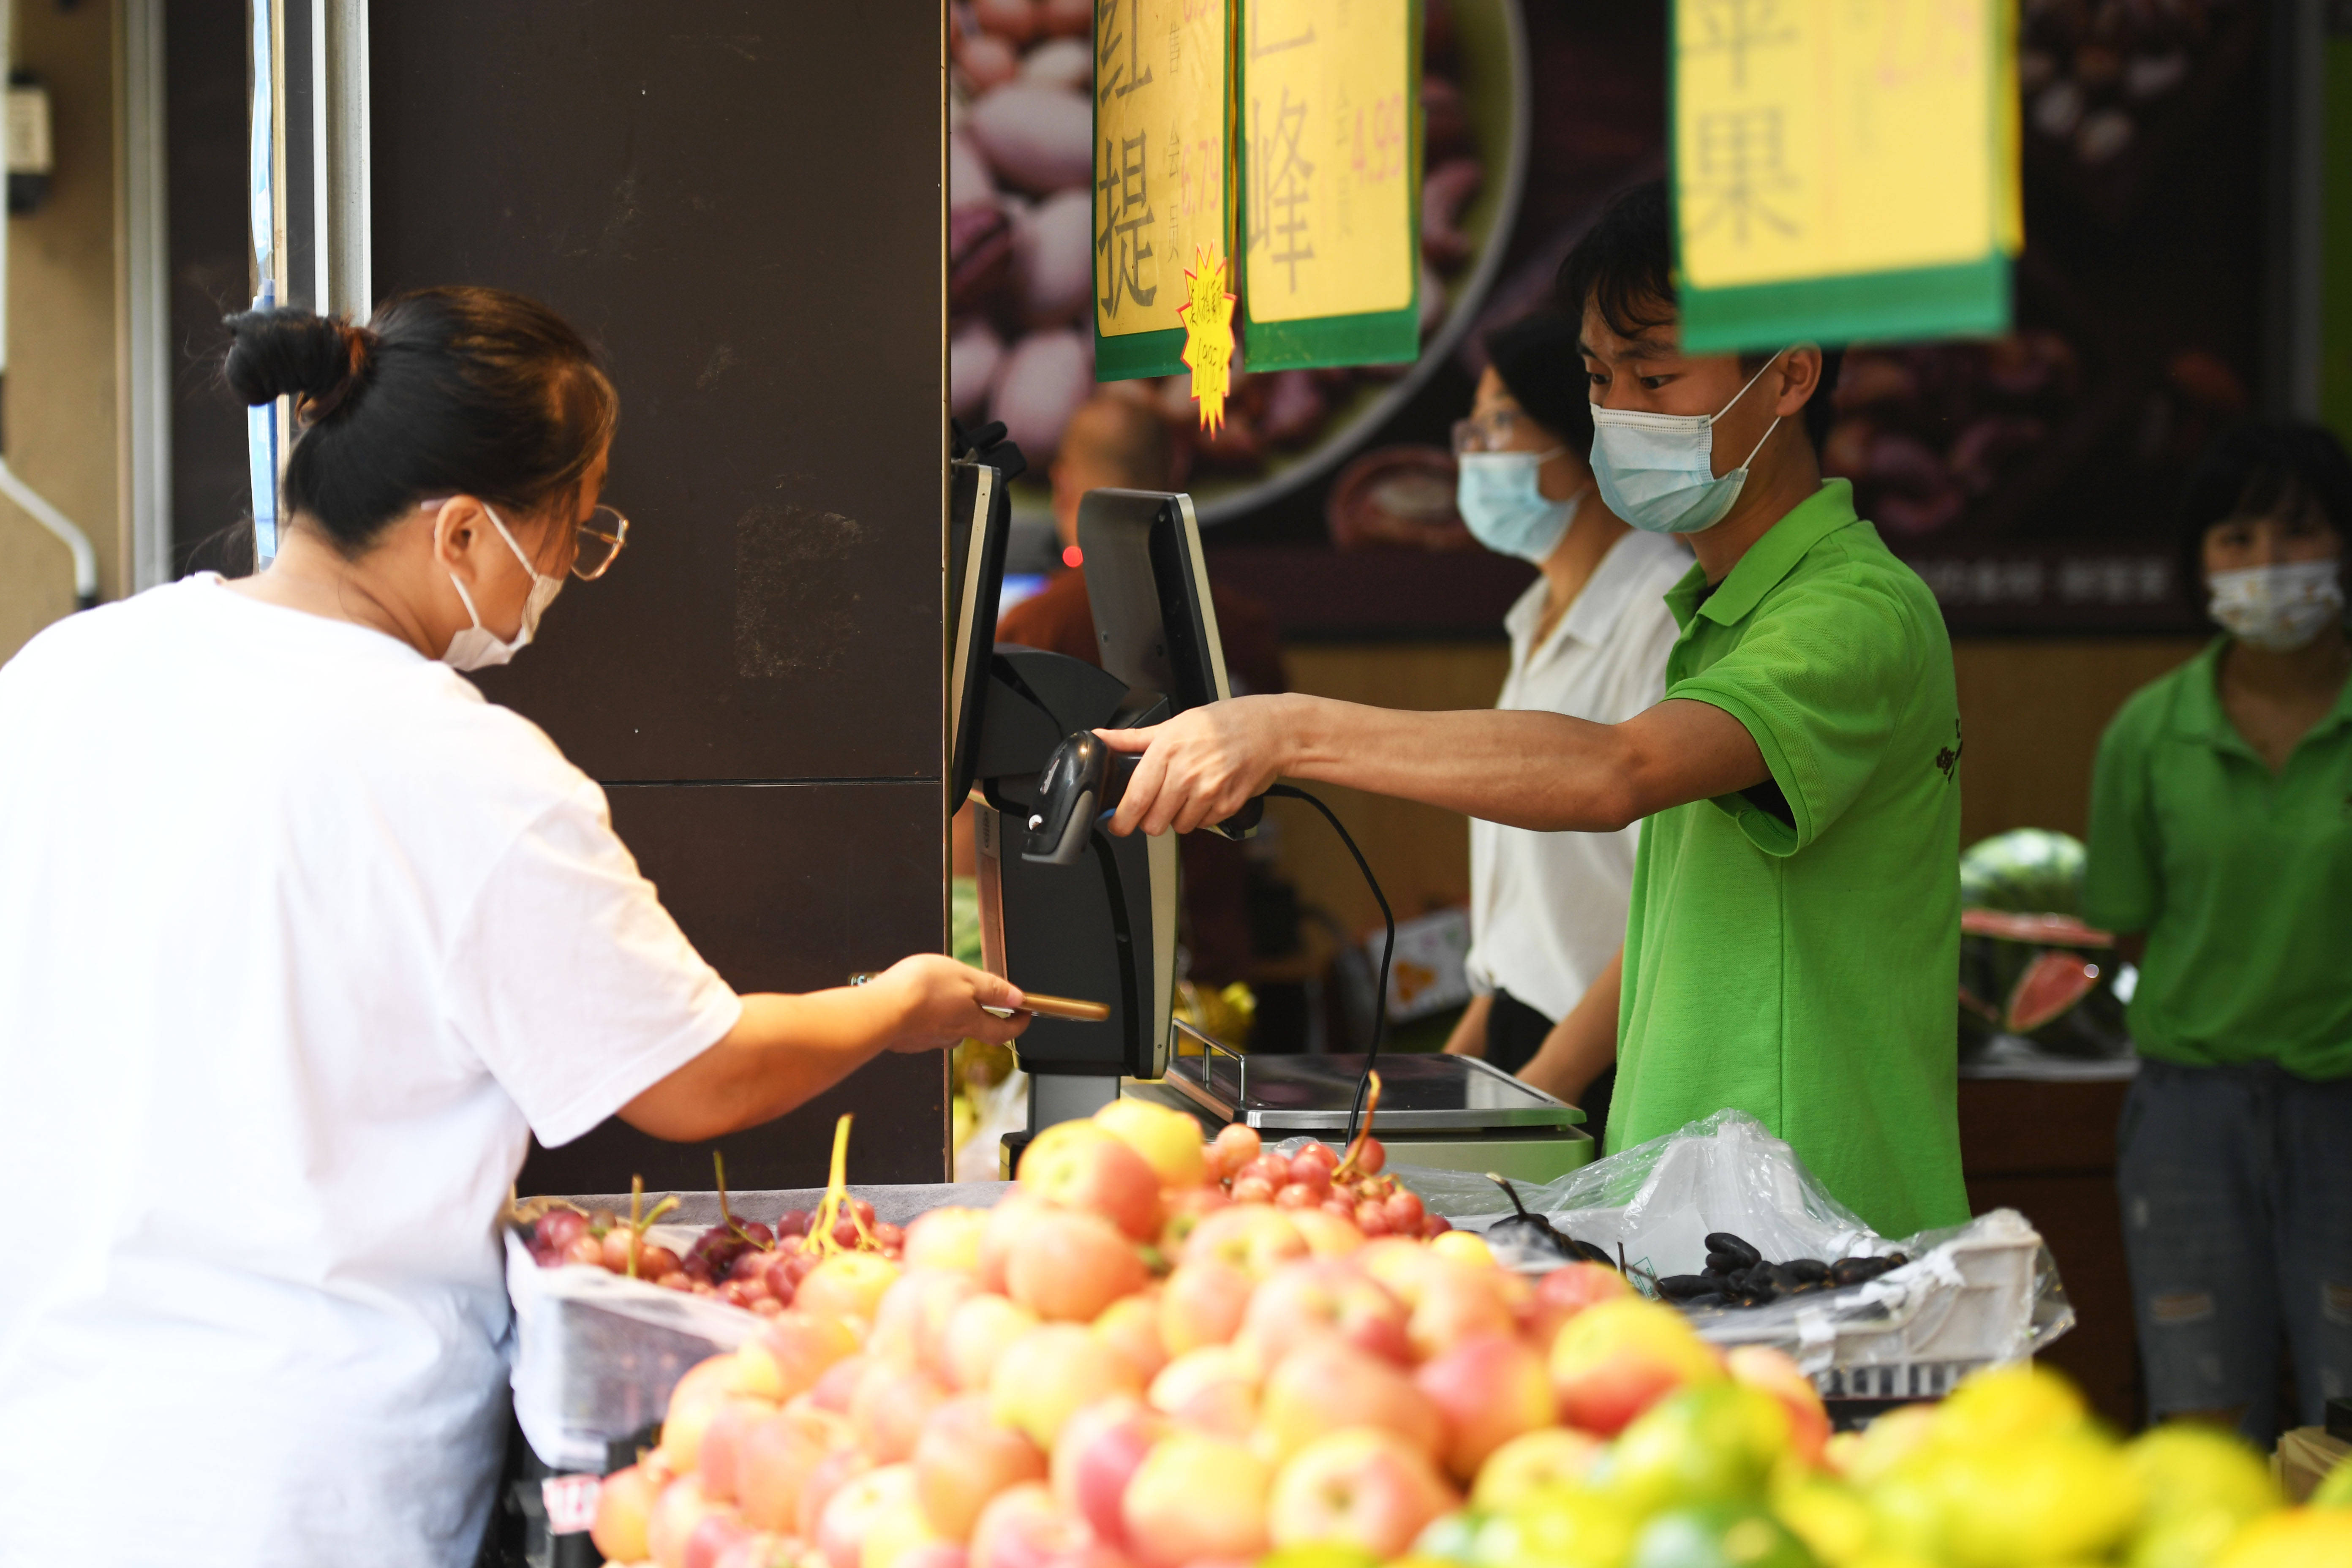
point(1515, 1032)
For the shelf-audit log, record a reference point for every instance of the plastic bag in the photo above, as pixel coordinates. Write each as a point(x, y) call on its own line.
point(1985, 1292)
point(597, 1354)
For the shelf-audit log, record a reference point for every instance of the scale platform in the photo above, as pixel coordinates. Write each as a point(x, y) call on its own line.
point(1453, 1113)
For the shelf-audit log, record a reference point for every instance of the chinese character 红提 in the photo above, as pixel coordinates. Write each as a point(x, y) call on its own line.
point(1118, 81)
point(1125, 188)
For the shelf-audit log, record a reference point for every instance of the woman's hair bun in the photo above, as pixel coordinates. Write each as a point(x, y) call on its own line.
point(283, 352)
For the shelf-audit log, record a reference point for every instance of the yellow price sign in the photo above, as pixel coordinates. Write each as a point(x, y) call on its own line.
point(1208, 313)
point(1817, 137)
point(1333, 167)
point(1161, 96)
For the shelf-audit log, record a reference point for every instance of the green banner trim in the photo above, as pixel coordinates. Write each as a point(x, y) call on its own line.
point(1131, 354)
point(1968, 299)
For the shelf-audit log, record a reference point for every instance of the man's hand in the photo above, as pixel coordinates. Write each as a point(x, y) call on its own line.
point(939, 1003)
point(1202, 765)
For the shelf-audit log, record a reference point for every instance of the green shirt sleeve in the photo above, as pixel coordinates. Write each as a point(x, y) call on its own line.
point(1819, 681)
point(2122, 884)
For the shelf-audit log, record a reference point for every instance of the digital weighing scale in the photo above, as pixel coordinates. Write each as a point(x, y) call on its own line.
point(1455, 1114)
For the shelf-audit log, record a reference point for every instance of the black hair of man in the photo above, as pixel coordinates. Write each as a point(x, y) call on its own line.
point(1625, 266)
point(2262, 468)
point(1536, 361)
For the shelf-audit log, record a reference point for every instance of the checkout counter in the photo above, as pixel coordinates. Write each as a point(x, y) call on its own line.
point(1067, 909)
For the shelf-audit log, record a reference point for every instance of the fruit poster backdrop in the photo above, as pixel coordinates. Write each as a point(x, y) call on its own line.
point(2031, 479)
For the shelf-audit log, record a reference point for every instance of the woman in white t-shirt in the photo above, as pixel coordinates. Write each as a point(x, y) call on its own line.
point(1589, 638)
point(300, 940)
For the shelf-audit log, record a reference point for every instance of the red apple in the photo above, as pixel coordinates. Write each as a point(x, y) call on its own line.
point(1614, 1360)
point(1096, 1455)
point(1185, 1207)
point(1325, 1385)
point(1024, 1528)
point(1081, 1165)
point(964, 1458)
point(1169, 1140)
point(848, 1285)
point(1196, 1498)
point(1255, 1238)
point(1566, 1291)
point(760, 1548)
point(791, 1352)
point(720, 1452)
point(945, 1238)
point(1369, 1488)
point(1316, 1296)
point(718, 1535)
point(1049, 1373)
point(861, 1504)
point(1073, 1263)
point(977, 1333)
point(680, 1509)
point(1214, 1388)
point(1237, 1144)
point(1488, 1389)
point(1457, 1300)
point(935, 1554)
point(624, 1506)
point(838, 1386)
point(831, 1473)
point(910, 1323)
point(1535, 1462)
point(1202, 1304)
point(1327, 1234)
point(888, 1407)
point(999, 1238)
point(1130, 1326)
point(1777, 1374)
point(776, 1459)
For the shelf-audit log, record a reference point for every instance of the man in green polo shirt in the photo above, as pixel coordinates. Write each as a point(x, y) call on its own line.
point(1794, 936)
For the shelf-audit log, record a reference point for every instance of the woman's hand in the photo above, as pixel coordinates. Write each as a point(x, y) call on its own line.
point(939, 1003)
point(1202, 765)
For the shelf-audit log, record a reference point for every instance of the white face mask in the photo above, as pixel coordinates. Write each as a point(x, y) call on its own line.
point(2278, 608)
point(1657, 470)
point(479, 648)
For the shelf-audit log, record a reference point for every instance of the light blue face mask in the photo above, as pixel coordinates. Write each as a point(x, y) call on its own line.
point(1499, 495)
point(1657, 470)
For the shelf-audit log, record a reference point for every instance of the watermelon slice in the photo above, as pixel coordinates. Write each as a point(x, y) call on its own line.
point(2052, 984)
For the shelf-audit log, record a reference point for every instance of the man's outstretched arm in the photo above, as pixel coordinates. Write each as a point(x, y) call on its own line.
point(1541, 770)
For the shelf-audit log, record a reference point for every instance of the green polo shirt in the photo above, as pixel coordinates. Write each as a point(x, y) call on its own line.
point(1803, 971)
point(2241, 876)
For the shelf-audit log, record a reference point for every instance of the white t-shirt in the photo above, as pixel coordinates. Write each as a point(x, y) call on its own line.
point(1548, 909)
point(299, 939)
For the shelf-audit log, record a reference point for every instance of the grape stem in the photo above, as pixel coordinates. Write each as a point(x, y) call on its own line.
point(718, 1172)
point(640, 1221)
point(836, 1191)
point(1346, 1166)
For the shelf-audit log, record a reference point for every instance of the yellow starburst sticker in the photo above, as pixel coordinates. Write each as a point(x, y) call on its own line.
point(1208, 316)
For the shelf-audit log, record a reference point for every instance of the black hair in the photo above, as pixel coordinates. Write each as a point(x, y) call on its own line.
point(2264, 467)
point(446, 392)
point(1536, 361)
point(1625, 266)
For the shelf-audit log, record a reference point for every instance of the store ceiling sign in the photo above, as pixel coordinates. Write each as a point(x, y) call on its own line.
point(1331, 138)
point(1163, 172)
point(1843, 169)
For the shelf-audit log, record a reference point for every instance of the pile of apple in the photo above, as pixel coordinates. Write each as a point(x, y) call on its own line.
point(1124, 1366)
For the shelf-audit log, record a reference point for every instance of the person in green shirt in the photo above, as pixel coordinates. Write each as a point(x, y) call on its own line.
point(2220, 853)
point(1794, 933)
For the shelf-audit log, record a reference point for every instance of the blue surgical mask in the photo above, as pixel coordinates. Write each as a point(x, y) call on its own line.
point(1500, 496)
point(1657, 470)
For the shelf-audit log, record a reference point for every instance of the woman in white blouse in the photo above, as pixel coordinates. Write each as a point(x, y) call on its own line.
point(301, 940)
point(1589, 638)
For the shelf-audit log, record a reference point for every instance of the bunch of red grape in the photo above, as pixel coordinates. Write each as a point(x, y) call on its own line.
point(1319, 1176)
point(742, 1262)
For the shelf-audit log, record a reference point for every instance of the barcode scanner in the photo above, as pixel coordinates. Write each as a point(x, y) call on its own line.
point(1083, 783)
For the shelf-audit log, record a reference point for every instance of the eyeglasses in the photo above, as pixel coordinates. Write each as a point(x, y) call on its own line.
point(602, 535)
point(1489, 432)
